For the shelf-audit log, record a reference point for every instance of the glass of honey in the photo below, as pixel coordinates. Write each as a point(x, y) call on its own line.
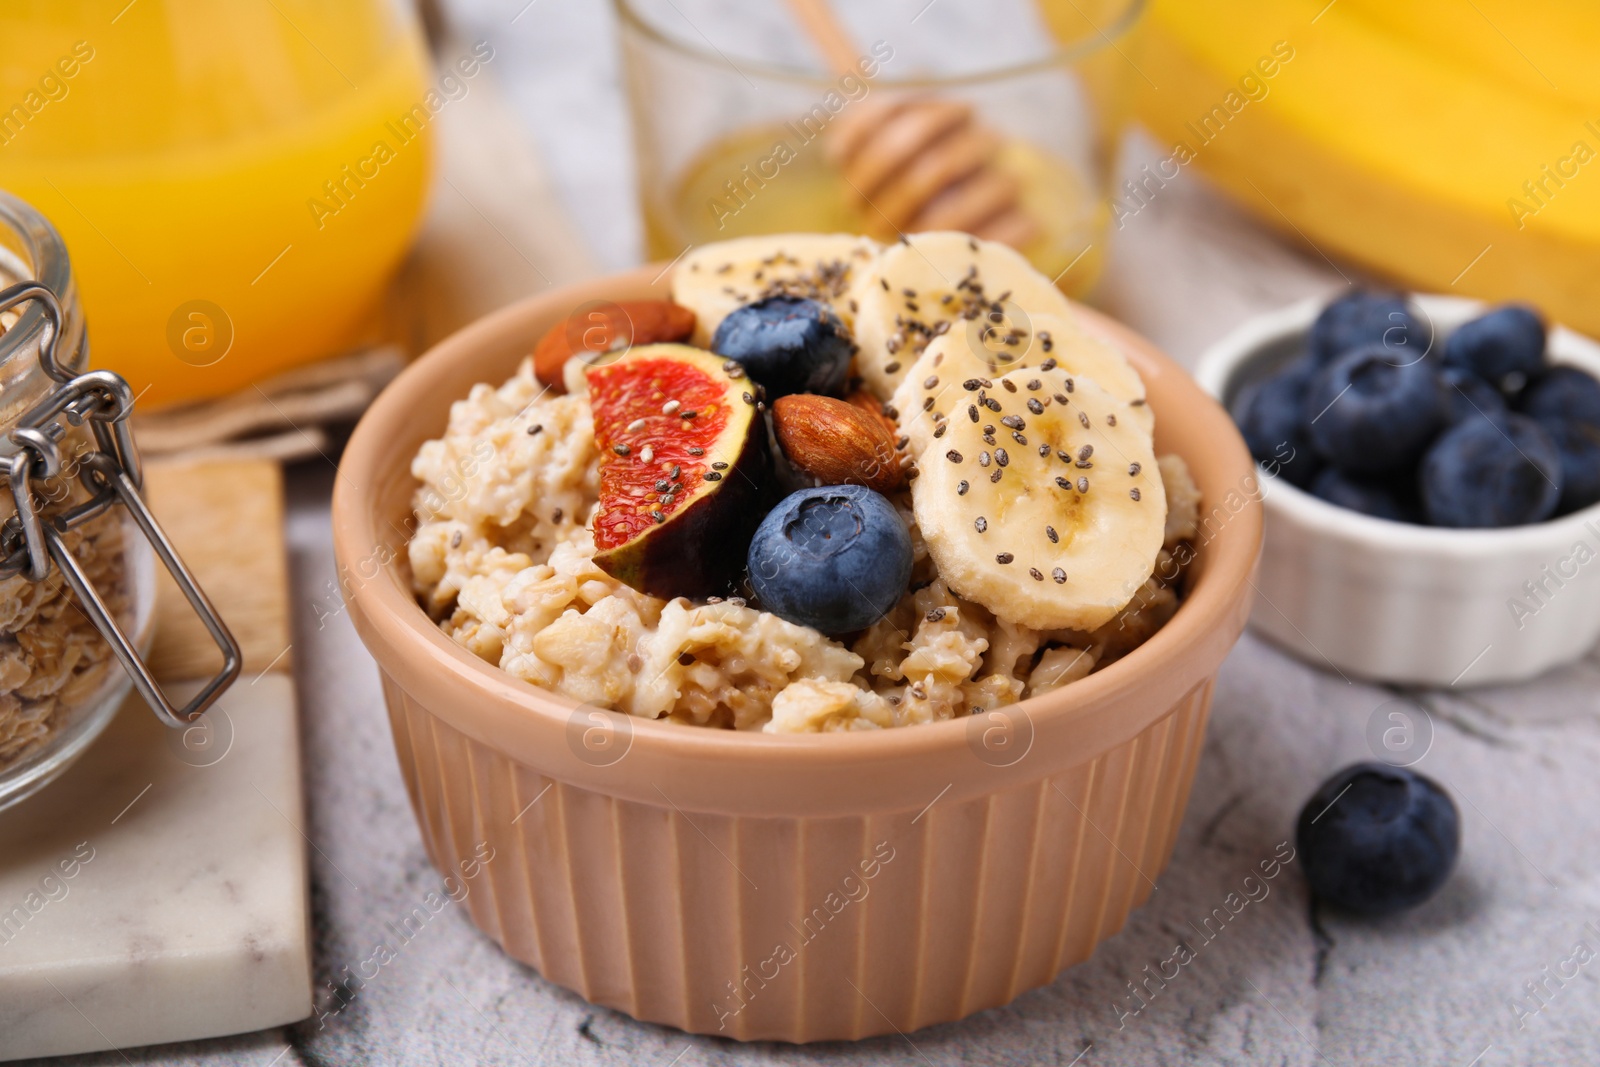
point(741, 126)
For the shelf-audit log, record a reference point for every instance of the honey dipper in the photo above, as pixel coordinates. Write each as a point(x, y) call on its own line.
point(916, 162)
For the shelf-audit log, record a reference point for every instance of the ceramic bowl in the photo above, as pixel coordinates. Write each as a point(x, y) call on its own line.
point(796, 888)
point(1398, 602)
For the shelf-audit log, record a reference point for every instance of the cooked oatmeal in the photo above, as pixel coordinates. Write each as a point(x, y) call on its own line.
point(503, 559)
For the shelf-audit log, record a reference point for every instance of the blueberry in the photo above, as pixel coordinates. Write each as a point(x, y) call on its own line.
point(1579, 445)
point(1385, 499)
point(1271, 417)
point(788, 344)
point(1377, 839)
point(1562, 393)
point(835, 558)
point(1369, 414)
point(1468, 396)
point(1481, 474)
point(1506, 341)
point(1361, 318)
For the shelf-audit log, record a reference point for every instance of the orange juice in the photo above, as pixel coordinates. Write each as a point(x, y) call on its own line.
point(235, 181)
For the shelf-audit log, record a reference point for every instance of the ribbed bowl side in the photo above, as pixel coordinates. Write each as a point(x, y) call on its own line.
point(802, 929)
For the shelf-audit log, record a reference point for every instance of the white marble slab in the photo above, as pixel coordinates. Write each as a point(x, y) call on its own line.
point(157, 891)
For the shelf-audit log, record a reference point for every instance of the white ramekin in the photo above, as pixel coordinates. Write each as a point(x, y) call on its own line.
point(1396, 602)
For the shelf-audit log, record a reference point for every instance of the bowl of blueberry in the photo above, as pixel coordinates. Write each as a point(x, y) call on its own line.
point(1431, 478)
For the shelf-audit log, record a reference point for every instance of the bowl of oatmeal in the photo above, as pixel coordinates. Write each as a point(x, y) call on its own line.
point(713, 807)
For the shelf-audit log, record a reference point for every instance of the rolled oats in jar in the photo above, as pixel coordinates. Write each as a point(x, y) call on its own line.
point(77, 545)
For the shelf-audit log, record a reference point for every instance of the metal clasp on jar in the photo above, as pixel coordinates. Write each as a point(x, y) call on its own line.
point(31, 542)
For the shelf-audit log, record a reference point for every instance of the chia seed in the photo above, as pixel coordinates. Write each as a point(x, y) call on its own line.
point(980, 524)
point(1003, 558)
point(1059, 575)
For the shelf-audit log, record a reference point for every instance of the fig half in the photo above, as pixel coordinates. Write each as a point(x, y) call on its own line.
point(683, 469)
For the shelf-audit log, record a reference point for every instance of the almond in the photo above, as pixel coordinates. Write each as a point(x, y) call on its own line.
point(873, 406)
point(836, 442)
point(606, 326)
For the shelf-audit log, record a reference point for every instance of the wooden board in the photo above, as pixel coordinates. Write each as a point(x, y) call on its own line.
point(227, 521)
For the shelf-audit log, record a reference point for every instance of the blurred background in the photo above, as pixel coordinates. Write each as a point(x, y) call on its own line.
point(249, 187)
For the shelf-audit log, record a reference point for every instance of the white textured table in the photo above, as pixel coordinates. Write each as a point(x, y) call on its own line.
point(1281, 985)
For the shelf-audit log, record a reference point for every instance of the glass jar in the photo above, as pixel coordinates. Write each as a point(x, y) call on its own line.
point(736, 123)
point(77, 546)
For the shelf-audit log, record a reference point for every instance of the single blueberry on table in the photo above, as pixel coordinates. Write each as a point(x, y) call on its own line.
point(1364, 317)
point(1385, 499)
point(1367, 414)
point(1376, 839)
point(1507, 341)
point(1579, 445)
point(835, 558)
point(1468, 396)
point(1480, 474)
point(1562, 393)
point(1272, 417)
point(788, 344)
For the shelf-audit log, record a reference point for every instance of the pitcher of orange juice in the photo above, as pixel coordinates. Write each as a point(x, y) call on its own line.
point(236, 181)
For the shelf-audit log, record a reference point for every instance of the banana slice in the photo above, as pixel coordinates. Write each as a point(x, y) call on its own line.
point(1043, 505)
point(933, 283)
point(717, 278)
point(1049, 344)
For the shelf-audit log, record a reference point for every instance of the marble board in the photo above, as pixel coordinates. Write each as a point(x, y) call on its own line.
point(157, 891)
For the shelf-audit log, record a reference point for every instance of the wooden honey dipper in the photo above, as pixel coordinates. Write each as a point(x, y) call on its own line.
point(916, 162)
